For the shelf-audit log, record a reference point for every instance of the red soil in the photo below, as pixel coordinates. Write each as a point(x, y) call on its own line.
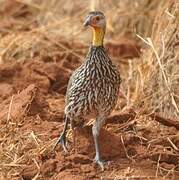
point(35, 89)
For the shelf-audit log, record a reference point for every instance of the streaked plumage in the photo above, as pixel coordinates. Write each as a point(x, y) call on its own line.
point(93, 88)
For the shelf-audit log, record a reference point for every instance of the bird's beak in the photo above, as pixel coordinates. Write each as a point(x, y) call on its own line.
point(87, 21)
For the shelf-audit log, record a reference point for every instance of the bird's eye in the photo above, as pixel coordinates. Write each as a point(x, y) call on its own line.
point(97, 18)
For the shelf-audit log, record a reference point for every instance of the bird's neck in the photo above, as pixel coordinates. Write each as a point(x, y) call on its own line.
point(98, 36)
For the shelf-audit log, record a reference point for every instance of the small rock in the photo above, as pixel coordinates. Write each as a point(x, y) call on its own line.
point(87, 168)
point(48, 167)
point(29, 172)
point(68, 176)
point(79, 158)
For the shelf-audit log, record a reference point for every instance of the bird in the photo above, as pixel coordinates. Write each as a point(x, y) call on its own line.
point(93, 88)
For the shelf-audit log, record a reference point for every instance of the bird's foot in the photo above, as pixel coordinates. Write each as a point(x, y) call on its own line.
point(101, 162)
point(61, 140)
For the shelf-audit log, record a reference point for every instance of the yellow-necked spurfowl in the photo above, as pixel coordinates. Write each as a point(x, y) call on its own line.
point(93, 88)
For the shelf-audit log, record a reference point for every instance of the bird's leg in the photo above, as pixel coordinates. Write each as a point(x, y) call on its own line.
point(96, 130)
point(74, 134)
point(62, 138)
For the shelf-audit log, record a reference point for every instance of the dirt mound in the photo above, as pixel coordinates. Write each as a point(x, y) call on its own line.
point(110, 144)
point(27, 102)
point(46, 76)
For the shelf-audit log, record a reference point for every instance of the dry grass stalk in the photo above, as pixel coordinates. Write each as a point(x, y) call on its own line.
point(159, 72)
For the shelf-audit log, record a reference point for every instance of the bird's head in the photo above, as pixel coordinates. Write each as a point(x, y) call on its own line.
point(97, 21)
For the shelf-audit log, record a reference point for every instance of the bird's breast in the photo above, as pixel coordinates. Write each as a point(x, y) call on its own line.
point(94, 88)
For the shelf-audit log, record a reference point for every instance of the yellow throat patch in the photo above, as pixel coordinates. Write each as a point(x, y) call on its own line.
point(98, 36)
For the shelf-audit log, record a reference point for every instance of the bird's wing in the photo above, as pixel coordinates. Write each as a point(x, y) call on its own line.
point(69, 85)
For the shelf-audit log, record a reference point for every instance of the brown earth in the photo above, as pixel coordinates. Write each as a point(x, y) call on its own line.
point(32, 106)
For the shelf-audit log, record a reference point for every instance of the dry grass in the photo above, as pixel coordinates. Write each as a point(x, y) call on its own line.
point(157, 89)
point(60, 18)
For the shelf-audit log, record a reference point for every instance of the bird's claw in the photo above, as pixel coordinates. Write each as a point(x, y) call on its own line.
point(61, 140)
point(101, 163)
